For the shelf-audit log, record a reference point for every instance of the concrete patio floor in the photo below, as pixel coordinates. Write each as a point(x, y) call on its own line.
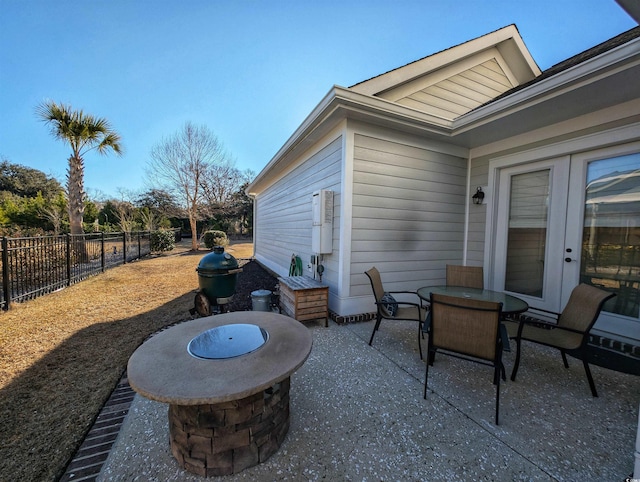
point(357, 413)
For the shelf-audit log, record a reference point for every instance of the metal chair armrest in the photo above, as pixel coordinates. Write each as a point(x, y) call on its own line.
point(547, 312)
point(406, 303)
point(544, 325)
point(423, 303)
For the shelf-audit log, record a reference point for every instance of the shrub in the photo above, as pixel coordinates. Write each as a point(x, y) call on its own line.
point(162, 240)
point(213, 238)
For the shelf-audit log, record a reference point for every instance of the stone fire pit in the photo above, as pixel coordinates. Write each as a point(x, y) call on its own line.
point(227, 410)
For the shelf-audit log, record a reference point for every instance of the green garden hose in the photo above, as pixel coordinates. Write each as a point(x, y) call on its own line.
point(295, 269)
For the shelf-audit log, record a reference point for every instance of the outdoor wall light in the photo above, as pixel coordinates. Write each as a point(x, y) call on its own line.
point(478, 197)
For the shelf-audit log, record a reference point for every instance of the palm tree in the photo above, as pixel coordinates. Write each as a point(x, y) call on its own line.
point(83, 132)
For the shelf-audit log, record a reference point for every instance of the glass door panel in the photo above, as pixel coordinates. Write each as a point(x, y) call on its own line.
point(527, 232)
point(611, 232)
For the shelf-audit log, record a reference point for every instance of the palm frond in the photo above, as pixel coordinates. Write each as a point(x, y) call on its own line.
point(83, 132)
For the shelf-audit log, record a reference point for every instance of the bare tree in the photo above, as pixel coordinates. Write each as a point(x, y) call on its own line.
point(221, 188)
point(159, 202)
point(126, 216)
point(220, 182)
point(180, 163)
point(54, 214)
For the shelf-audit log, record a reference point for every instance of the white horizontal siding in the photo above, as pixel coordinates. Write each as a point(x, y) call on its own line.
point(430, 106)
point(477, 215)
point(469, 83)
point(478, 98)
point(284, 212)
point(493, 72)
point(447, 92)
point(408, 213)
point(460, 93)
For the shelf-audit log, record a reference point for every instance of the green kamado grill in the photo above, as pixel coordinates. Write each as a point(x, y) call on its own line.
point(217, 276)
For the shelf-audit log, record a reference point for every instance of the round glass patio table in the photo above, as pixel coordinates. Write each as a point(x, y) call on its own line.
point(510, 304)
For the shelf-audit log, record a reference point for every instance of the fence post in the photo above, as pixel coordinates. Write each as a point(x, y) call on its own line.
point(139, 246)
point(102, 254)
point(68, 259)
point(5, 273)
point(124, 246)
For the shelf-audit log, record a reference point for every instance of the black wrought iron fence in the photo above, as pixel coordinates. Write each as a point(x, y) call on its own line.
point(32, 267)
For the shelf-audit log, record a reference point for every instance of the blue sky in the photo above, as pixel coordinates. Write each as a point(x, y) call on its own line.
point(251, 71)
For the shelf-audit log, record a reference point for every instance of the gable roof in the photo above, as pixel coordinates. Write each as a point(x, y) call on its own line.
point(459, 79)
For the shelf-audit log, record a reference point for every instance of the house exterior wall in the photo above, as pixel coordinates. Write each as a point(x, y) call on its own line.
point(478, 177)
point(284, 211)
point(408, 212)
point(404, 180)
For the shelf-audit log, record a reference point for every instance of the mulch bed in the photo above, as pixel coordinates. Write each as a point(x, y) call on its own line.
point(253, 277)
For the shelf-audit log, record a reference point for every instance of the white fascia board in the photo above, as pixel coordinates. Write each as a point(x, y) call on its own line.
point(517, 52)
point(580, 74)
point(307, 124)
point(519, 59)
point(383, 108)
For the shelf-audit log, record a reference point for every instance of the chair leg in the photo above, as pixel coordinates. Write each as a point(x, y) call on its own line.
point(497, 395)
point(431, 356)
point(426, 376)
point(592, 385)
point(517, 362)
point(419, 342)
point(375, 328)
point(564, 359)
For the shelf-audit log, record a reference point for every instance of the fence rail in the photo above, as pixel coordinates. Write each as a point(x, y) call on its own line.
point(32, 267)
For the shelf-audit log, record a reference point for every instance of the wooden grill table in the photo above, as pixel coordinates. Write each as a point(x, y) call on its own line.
point(304, 298)
point(224, 414)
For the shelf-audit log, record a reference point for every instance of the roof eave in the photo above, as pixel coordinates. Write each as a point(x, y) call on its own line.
point(341, 103)
point(583, 73)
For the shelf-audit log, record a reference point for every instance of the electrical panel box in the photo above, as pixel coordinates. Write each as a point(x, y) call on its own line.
point(322, 229)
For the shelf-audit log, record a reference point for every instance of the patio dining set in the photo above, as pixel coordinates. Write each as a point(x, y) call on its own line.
point(467, 321)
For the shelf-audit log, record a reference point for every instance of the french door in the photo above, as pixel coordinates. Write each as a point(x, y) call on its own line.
point(531, 214)
point(570, 220)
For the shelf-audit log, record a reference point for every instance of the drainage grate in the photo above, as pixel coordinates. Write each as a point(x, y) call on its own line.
point(92, 454)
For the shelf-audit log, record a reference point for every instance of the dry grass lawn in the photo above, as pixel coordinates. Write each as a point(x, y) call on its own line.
point(61, 355)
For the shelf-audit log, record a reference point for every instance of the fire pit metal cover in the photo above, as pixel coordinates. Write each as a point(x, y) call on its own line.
point(227, 341)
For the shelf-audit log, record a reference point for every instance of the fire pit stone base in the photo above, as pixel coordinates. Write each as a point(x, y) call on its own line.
point(228, 437)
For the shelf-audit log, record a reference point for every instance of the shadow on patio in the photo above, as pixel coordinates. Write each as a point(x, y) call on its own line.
point(357, 413)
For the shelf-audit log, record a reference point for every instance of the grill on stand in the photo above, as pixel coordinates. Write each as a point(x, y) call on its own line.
point(217, 276)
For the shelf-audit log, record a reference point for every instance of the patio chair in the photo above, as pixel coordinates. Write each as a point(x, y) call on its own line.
point(466, 276)
point(467, 329)
point(388, 308)
point(571, 332)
